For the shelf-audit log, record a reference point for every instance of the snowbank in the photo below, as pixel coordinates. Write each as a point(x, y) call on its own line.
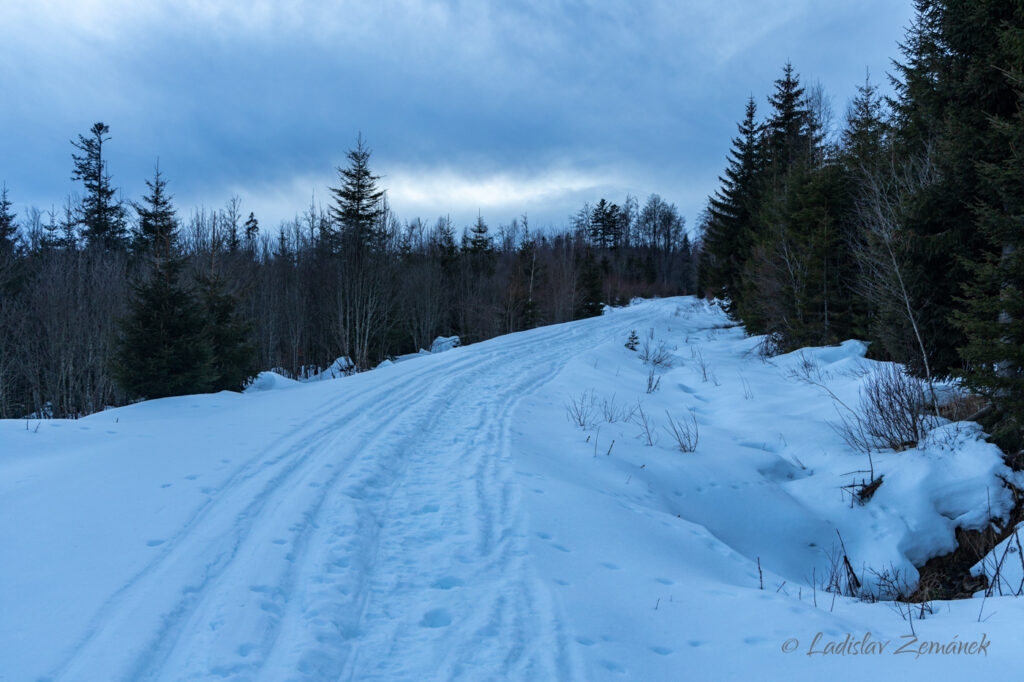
point(270, 381)
point(444, 343)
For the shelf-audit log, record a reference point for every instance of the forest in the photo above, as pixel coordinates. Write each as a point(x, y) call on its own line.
point(110, 301)
point(901, 225)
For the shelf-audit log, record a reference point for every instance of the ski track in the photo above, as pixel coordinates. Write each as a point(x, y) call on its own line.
point(358, 537)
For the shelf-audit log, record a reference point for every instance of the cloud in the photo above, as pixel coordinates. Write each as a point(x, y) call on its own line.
point(468, 104)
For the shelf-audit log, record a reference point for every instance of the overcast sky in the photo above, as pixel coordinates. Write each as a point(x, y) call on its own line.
point(498, 107)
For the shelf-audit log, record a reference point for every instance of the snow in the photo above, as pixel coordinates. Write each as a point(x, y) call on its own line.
point(443, 343)
point(444, 519)
point(341, 367)
point(270, 381)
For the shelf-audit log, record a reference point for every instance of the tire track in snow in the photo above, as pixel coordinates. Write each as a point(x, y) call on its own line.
point(266, 472)
point(355, 502)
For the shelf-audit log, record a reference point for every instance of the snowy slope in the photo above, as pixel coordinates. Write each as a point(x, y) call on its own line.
point(440, 518)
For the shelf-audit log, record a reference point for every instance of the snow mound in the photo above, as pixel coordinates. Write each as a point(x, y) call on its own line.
point(443, 343)
point(341, 367)
point(270, 381)
point(951, 481)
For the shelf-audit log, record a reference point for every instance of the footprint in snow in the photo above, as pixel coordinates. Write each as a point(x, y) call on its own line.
point(447, 583)
point(191, 477)
point(665, 581)
point(612, 666)
point(436, 618)
point(661, 651)
point(166, 485)
point(154, 543)
point(610, 566)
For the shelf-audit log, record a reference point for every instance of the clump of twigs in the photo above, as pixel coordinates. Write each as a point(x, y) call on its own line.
point(656, 355)
point(581, 410)
point(653, 381)
point(646, 424)
point(685, 432)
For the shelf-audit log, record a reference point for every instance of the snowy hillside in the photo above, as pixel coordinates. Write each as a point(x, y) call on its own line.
point(495, 511)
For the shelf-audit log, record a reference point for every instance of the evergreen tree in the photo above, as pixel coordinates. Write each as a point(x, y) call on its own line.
point(605, 225)
point(951, 85)
point(795, 283)
point(233, 356)
point(252, 230)
point(8, 228)
point(101, 215)
point(992, 308)
point(164, 349)
point(864, 137)
point(444, 242)
point(158, 225)
point(728, 225)
point(589, 283)
point(359, 202)
point(788, 131)
point(10, 266)
point(479, 242)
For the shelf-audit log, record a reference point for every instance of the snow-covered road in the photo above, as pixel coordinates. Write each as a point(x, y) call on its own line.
point(441, 518)
point(378, 535)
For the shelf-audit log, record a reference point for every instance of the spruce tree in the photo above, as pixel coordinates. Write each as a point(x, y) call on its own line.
point(992, 307)
point(728, 224)
point(358, 203)
point(788, 130)
point(479, 241)
point(157, 222)
point(233, 355)
point(164, 347)
point(101, 215)
point(8, 226)
point(252, 230)
point(605, 225)
point(951, 84)
point(864, 137)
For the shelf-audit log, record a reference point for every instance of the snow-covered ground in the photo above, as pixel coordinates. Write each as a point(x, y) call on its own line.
point(443, 518)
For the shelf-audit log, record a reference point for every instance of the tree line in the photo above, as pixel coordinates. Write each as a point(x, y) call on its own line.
point(902, 227)
point(108, 301)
